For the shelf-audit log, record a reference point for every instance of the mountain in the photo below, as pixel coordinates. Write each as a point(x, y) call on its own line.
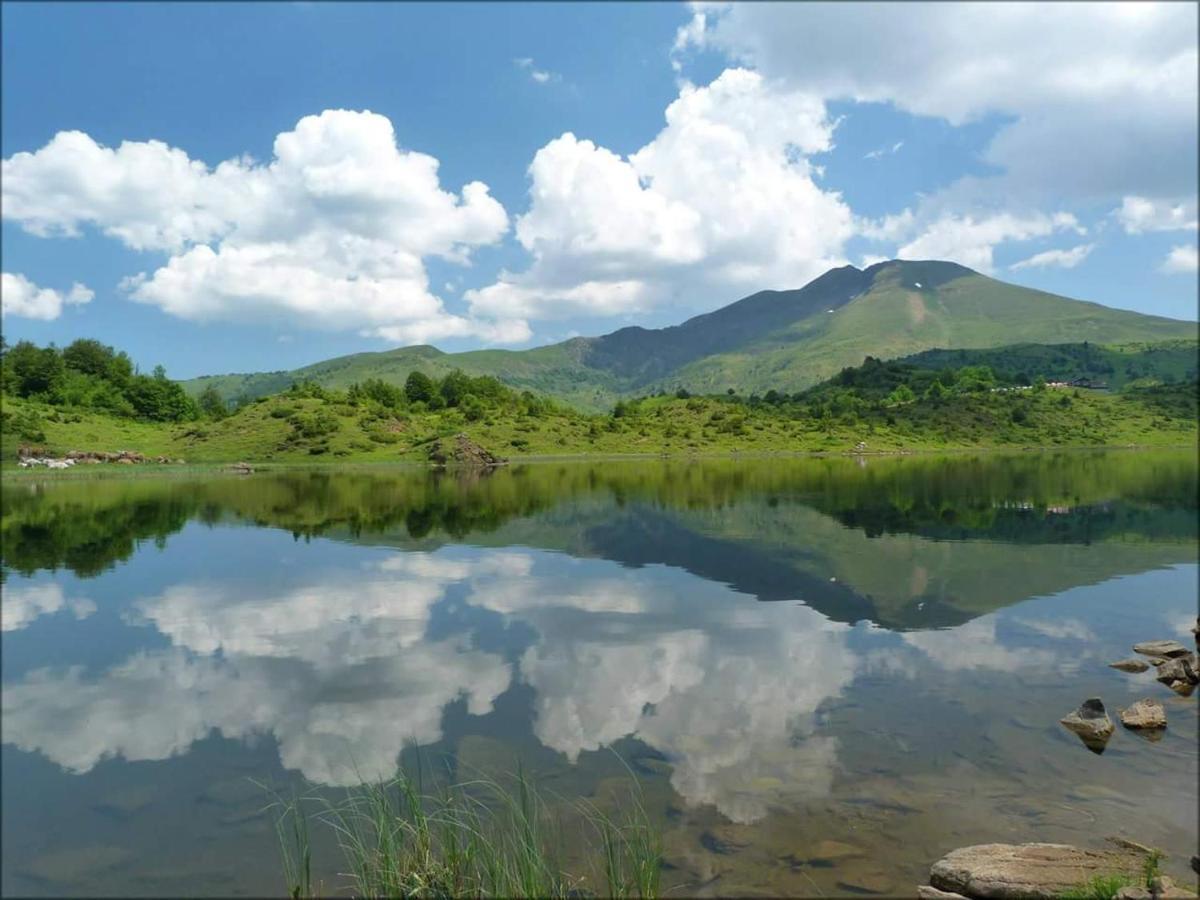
point(787, 340)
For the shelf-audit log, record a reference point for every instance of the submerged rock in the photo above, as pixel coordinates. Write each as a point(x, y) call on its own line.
point(460, 450)
point(1027, 870)
point(1167, 649)
point(1091, 722)
point(1144, 714)
point(1130, 665)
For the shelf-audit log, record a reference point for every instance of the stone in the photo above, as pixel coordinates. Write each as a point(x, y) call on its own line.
point(1091, 722)
point(1169, 649)
point(929, 892)
point(828, 851)
point(1130, 665)
point(867, 883)
point(1144, 714)
point(1133, 892)
point(243, 468)
point(1182, 688)
point(1180, 668)
point(1027, 870)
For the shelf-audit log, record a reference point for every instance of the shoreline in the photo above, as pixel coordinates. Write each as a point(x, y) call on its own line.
point(10, 471)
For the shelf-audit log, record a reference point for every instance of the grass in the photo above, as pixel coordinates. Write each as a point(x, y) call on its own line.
point(1099, 887)
point(476, 838)
point(1106, 887)
point(267, 430)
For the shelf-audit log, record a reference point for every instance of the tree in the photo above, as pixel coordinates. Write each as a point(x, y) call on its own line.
point(29, 369)
point(212, 404)
point(901, 395)
point(89, 356)
point(418, 387)
point(936, 392)
point(455, 387)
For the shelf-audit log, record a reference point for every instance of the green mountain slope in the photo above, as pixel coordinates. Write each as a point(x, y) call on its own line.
point(786, 340)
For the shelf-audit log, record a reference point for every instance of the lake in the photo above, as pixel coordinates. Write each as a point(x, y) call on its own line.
point(824, 673)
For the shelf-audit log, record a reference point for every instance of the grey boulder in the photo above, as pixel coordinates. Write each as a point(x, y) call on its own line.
point(1130, 665)
point(1180, 668)
point(1168, 649)
point(1027, 870)
point(1091, 722)
point(1144, 714)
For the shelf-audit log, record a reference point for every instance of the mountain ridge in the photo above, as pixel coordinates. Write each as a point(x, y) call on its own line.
point(787, 340)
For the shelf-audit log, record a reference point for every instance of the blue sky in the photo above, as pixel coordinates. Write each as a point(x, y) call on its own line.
point(642, 163)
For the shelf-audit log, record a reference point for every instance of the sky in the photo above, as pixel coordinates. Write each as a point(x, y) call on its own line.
point(257, 186)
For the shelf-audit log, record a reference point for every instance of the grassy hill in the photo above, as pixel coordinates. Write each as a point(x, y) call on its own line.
point(885, 406)
point(1114, 366)
point(782, 340)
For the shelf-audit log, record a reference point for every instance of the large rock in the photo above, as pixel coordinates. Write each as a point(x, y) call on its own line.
point(929, 892)
point(1091, 722)
point(1144, 714)
point(1167, 649)
point(1130, 665)
point(1180, 668)
point(1161, 888)
point(1027, 870)
point(460, 450)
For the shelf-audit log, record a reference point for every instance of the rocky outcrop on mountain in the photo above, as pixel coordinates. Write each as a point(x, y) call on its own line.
point(460, 450)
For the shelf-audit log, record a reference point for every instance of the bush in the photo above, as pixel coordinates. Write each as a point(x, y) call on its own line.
point(314, 424)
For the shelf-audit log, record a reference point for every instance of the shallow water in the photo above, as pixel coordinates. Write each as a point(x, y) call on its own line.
point(825, 673)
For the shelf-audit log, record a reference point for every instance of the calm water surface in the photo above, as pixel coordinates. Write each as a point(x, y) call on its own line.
point(825, 673)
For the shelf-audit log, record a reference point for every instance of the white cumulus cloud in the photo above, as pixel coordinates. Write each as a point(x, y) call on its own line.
point(331, 233)
point(1140, 214)
point(1100, 98)
point(970, 241)
point(723, 199)
point(21, 297)
point(1063, 259)
point(21, 604)
point(1181, 259)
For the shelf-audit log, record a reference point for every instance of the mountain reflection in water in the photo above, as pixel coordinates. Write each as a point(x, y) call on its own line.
point(932, 619)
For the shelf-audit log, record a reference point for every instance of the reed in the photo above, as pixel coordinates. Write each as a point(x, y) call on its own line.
point(473, 838)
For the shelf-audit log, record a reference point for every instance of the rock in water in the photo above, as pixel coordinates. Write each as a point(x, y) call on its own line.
point(1167, 649)
point(929, 892)
point(1091, 723)
point(1130, 665)
point(1027, 870)
point(1181, 668)
point(1144, 714)
point(460, 450)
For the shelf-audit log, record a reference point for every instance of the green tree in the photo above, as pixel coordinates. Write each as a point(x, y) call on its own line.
point(89, 357)
point(29, 370)
point(212, 404)
point(418, 387)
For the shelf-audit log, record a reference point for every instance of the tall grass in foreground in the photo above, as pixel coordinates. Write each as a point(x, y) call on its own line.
point(475, 838)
